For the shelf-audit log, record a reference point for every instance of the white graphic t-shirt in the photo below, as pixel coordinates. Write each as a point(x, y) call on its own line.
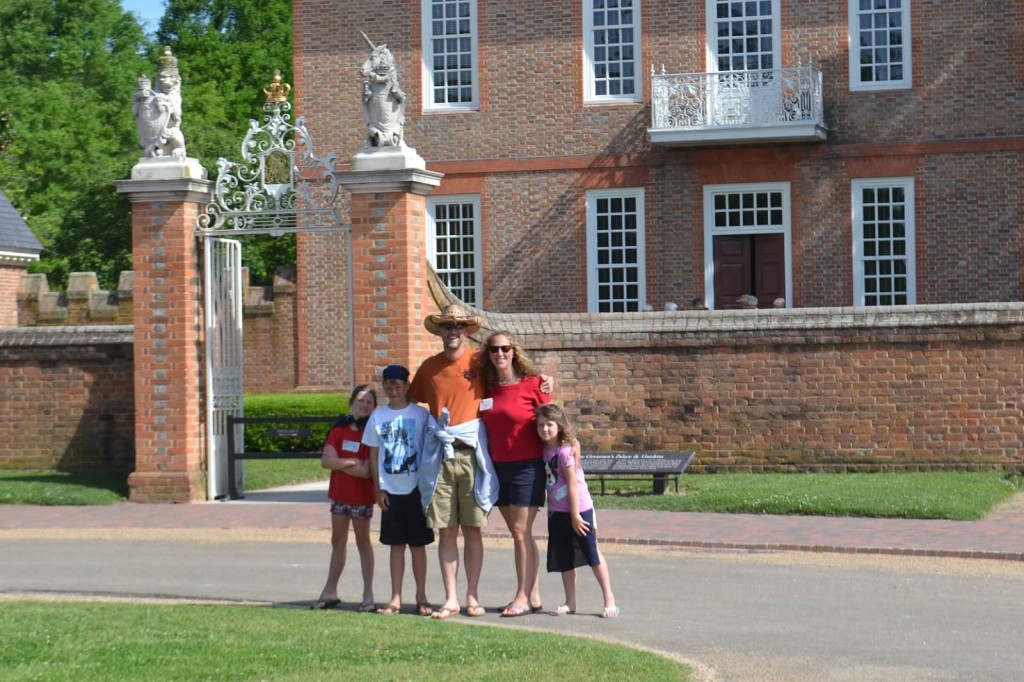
point(398, 435)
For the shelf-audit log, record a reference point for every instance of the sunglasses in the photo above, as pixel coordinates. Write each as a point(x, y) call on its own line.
point(504, 349)
point(452, 327)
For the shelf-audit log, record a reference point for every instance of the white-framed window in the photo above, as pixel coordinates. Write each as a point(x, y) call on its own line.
point(611, 50)
point(879, 44)
point(743, 35)
point(450, 68)
point(616, 264)
point(453, 244)
point(883, 242)
point(747, 243)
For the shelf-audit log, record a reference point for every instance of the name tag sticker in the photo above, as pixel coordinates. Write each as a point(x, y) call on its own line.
point(561, 493)
point(486, 404)
point(350, 445)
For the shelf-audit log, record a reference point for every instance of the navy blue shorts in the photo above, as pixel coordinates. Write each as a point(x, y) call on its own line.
point(566, 550)
point(404, 522)
point(521, 483)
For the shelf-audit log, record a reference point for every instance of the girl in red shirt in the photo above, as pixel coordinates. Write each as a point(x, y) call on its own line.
point(352, 497)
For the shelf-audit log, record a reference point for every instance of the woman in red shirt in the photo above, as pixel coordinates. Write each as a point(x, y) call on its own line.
point(352, 497)
point(512, 391)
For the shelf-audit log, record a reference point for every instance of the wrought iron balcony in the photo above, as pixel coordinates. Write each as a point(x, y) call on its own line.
point(778, 105)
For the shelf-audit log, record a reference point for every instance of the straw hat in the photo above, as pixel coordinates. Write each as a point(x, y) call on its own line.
point(452, 314)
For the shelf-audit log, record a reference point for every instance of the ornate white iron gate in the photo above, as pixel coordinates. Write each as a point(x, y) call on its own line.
point(281, 187)
point(222, 274)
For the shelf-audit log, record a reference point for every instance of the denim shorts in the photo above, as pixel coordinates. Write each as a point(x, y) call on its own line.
point(521, 483)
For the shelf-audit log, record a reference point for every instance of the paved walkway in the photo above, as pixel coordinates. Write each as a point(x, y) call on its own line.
point(1001, 536)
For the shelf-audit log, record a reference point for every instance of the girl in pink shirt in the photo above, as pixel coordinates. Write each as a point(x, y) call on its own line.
point(572, 535)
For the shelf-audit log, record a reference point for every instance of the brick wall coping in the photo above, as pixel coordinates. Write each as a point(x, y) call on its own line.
point(82, 335)
point(551, 330)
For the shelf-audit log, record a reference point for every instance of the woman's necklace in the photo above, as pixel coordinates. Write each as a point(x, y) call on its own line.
point(514, 379)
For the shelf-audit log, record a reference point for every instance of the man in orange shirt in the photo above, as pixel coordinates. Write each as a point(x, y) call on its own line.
point(458, 465)
point(458, 487)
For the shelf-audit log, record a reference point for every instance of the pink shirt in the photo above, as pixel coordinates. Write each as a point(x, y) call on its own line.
point(556, 459)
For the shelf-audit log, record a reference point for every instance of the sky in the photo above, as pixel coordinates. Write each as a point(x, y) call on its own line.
point(149, 11)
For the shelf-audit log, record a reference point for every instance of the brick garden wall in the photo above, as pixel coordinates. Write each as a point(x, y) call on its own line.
point(925, 387)
point(836, 389)
point(67, 399)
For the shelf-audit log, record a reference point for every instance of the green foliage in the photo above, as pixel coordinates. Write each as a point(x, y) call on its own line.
point(5, 130)
point(82, 642)
point(67, 68)
point(290, 405)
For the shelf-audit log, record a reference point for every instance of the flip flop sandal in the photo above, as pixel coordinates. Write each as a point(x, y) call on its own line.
point(444, 613)
point(424, 609)
point(389, 610)
point(475, 611)
point(325, 604)
point(515, 610)
point(610, 612)
point(563, 610)
point(367, 607)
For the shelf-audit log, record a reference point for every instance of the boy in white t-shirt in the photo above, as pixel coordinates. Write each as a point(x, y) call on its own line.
point(395, 435)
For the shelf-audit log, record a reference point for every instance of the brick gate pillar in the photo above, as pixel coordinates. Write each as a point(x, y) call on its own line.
point(166, 198)
point(389, 263)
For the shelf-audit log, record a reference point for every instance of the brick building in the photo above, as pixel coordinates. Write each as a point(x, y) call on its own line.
point(617, 155)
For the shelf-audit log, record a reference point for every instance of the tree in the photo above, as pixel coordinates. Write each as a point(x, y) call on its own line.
point(65, 66)
point(227, 51)
point(68, 69)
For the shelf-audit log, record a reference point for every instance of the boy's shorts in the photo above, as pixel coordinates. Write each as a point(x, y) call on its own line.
point(454, 503)
point(403, 523)
point(566, 550)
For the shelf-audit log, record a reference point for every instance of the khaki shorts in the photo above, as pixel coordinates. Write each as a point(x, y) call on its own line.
point(454, 503)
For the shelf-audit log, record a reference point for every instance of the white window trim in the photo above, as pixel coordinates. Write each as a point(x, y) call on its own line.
point(474, 199)
point(709, 232)
point(858, 261)
point(588, 62)
point(711, 36)
point(428, 62)
point(856, 84)
point(592, 283)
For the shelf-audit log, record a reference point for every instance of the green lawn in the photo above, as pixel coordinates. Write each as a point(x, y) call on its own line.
point(111, 642)
point(964, 496)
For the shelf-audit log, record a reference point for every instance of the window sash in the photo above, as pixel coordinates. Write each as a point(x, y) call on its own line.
point(450, 63)
point(743, 35)
point(612, 42)
point(616, 272)
point(879, 44)
point(883, 246)
point(453, 244)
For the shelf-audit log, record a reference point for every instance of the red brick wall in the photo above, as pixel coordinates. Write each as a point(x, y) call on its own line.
point(68, 400)
point(822, 389)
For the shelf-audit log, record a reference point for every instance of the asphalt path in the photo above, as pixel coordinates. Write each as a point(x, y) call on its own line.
point(735, 615)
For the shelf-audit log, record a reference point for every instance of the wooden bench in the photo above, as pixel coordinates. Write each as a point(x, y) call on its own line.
point(613, 466)
point(234, 455)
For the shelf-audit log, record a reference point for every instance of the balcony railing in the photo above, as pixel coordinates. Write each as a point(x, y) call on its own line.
point(776, 105)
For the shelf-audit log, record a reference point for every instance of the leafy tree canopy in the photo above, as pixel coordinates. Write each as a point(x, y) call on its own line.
point(65, 66)
point(68, 69)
